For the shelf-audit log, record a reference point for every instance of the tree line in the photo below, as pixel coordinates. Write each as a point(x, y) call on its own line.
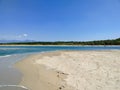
point(97, 42)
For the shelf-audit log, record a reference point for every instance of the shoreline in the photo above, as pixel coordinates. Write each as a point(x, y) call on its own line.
point(49, 79)
point(71, 70)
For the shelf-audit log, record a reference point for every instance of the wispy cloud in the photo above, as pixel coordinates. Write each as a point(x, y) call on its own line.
point(20, 36)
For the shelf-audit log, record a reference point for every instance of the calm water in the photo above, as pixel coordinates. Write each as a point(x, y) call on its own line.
point(9, 55)
point(9, 50)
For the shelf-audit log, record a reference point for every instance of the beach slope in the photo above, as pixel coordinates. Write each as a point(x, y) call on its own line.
point(72, 70)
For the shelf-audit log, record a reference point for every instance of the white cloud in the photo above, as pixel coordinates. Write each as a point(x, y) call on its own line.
point(25, 35)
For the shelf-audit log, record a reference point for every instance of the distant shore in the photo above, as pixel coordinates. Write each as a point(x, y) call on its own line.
point(64, 45)
point(94, 42)
point(72, 70)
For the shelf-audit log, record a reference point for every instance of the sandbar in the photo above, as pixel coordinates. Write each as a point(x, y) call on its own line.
point(71, 70)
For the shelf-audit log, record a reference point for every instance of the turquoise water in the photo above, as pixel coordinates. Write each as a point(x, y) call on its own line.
point(9, 50)
point(10, 77)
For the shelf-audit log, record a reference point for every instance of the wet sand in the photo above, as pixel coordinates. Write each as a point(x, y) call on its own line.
point(72, 70)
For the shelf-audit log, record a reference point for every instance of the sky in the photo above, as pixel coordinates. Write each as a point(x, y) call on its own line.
point(59, 20)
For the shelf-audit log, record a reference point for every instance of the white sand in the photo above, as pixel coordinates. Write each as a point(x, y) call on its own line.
point(87, 70)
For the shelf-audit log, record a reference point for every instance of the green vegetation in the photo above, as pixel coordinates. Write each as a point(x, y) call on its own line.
point(100, 42)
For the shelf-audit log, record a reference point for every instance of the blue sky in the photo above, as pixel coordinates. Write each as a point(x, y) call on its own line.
point(59, 20)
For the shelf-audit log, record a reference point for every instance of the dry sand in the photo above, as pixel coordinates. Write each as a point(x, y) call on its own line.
point(72, 70)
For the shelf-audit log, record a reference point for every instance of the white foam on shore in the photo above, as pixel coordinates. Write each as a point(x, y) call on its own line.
point(14, 86)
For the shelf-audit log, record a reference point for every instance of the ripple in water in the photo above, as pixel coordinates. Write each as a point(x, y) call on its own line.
point(12, 87)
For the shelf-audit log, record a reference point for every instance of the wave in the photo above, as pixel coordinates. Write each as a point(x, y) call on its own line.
point(19, 86)
point(5, 56)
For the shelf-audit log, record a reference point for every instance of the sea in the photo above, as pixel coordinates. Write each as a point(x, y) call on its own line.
point(10, 77)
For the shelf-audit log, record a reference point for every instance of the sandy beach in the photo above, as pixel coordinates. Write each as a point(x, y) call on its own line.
point(72, 70)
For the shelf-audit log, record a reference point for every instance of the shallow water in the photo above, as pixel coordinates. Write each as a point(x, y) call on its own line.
point(10, 77)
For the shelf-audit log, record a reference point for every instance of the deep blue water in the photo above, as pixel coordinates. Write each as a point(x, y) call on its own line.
point(9, 50)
